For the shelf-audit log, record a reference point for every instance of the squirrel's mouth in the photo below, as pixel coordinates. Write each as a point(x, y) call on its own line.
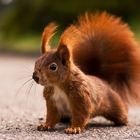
point(38, 80)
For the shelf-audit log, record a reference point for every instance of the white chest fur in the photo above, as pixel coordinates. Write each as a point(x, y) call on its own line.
point(61, 101)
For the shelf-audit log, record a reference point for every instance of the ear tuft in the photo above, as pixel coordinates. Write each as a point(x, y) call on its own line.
point(63, 53)
point(47, 34)
point(70, 36)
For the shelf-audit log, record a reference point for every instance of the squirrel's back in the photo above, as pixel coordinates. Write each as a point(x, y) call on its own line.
point(104, 46)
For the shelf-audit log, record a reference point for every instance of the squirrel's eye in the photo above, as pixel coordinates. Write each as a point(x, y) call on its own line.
point(53, 67)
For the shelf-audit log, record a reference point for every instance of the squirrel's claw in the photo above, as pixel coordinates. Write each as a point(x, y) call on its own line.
point(73, 130)
point(44, 128)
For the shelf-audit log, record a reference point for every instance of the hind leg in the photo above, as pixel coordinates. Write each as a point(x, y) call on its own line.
point(118, 117)
point(115, 110)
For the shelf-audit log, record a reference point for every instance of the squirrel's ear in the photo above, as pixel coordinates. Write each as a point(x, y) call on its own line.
point(63, 53)
point(47, 34)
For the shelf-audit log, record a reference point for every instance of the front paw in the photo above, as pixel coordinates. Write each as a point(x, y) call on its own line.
point(45, 128)
point(73, 130)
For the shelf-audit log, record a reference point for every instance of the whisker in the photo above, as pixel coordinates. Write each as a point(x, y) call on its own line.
point(21, 78)
point(34, 85)
point(28, 68)
point(27, 81)
point(18, 91)
point(30, 87)
point(35, 88)
point(28, 90)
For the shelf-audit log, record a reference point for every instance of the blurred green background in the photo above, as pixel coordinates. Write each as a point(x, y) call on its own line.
point(22, 21)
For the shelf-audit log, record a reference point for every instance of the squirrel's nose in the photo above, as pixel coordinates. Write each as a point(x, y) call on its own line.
point(35, 77)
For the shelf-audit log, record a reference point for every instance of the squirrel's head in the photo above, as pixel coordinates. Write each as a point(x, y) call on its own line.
point(53, 65)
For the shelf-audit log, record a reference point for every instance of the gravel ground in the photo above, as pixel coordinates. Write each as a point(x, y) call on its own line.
point(22, 108)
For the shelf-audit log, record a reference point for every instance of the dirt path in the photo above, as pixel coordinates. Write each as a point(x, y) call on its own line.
point(22, 108)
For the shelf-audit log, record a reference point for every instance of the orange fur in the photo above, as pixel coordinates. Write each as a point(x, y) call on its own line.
point(47, 34)
point(94, 71)
point(105, 47)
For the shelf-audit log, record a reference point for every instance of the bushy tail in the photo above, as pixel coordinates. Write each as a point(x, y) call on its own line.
point(104, 46)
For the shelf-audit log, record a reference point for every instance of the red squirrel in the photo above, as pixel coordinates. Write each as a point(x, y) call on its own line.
point(94, 71)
